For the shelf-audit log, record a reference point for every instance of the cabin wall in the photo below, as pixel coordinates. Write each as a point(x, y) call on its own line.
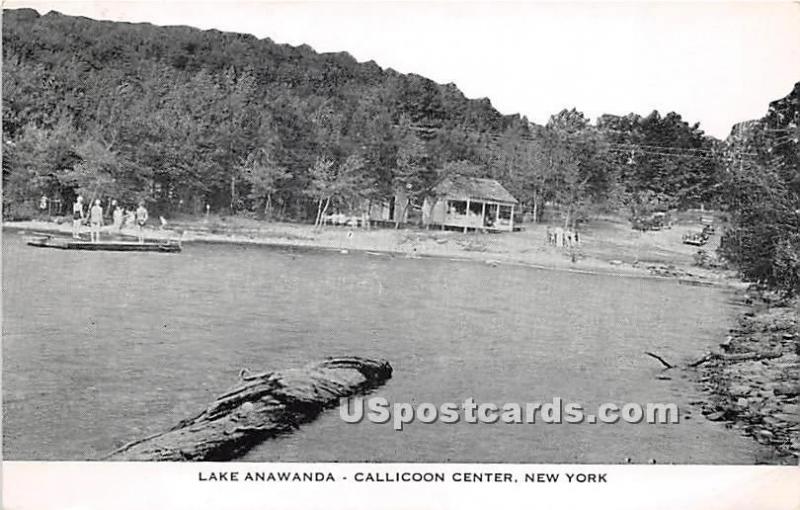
point(433, 215)
point(379, 211)
point(382, 210)
point(505, 220)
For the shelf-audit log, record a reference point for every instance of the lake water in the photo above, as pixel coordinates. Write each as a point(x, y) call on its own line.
point(102, 348)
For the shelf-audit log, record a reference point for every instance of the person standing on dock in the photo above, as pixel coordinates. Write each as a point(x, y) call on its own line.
point(141, 219)
point(95, 221)
point(77, 217)
point(117, 215)
point(43, 205)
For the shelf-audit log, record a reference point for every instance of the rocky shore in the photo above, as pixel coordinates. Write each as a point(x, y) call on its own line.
point(754, 378)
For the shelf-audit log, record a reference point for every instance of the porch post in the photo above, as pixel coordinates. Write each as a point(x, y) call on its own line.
point(511, 219)
point(466, 216)
point(483, 215)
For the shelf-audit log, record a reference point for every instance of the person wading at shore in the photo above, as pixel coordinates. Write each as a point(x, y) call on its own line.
point(95, 221)
point(141, 219)
point(77, 217)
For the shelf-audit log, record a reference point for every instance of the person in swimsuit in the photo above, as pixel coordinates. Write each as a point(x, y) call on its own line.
point(77, 217)
point(95, 221)
point(141, 219)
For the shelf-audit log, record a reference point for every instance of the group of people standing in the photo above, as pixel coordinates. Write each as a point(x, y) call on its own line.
point(562, 237)
point(96, 218)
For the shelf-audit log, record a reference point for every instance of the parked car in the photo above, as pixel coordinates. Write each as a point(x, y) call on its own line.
point(655, 221)
point(695, 238)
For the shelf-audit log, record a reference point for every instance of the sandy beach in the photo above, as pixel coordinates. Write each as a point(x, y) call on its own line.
point(608, 246)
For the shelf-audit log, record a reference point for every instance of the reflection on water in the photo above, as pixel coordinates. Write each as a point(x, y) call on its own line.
point(102, 348)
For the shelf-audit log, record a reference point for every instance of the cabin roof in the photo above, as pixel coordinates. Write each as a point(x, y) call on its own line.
point(474, 188)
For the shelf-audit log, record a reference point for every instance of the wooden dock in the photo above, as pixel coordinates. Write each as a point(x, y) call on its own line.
point(75, 244)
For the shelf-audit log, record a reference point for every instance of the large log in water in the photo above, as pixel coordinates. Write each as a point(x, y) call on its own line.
point(264, 406)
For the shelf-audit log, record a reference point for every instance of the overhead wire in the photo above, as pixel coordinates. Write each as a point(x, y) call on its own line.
point(639, 149)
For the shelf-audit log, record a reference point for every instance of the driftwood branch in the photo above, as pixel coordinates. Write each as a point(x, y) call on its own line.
point(266, 405)
point(742, 356)
point(666, 364)
point(706, 357)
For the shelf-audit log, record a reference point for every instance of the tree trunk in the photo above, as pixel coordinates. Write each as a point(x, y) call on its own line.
point(401, 215)
point(263, 406)
point(745, 356)
point(319, 213)
point(535, 210)
point(324, 210)
point(233, 192)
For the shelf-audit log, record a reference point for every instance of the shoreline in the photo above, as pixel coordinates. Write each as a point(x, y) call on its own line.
point(757, 397)
point(752, 381)
point(413, 243)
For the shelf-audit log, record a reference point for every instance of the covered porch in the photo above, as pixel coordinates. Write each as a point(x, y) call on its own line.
point(479, 215)
point(470, 203)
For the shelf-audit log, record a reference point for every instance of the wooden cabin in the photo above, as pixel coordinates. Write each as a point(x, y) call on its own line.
point(395, 209)
point(470, 203)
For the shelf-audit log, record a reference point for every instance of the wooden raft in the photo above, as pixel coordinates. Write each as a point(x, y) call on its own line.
point(69, 244)
point(264, 406)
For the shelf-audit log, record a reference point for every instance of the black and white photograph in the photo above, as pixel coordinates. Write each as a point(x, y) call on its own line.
point(427, 233)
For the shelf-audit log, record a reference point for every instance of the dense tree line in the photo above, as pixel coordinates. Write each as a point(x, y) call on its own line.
point(762, 191)
point(182, 118)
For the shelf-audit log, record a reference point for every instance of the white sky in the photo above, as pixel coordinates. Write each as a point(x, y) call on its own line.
point(714, 63)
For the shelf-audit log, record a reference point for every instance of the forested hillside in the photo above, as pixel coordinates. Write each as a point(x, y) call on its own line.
point(182, 118)
point(761, 186)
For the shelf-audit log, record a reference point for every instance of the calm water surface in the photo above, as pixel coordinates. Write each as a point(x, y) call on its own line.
point(103, 348)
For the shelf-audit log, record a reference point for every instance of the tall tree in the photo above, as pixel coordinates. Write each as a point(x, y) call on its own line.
point(411, 173)
point(264, 176)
